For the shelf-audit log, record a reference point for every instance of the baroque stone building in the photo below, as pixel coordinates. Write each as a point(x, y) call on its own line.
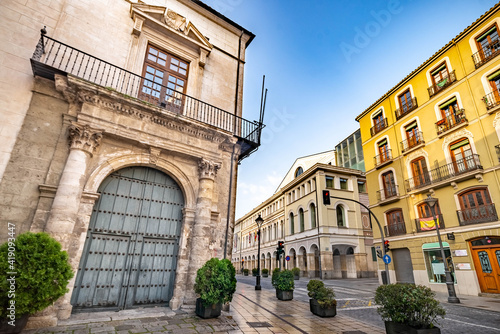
point(123, 142)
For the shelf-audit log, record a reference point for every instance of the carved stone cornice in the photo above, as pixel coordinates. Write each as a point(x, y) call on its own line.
point(208, 169)
point(83, 137)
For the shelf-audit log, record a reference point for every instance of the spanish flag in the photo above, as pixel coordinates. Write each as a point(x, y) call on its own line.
point(427, 224)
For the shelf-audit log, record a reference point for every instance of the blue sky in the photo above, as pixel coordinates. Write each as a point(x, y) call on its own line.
point(325, 62)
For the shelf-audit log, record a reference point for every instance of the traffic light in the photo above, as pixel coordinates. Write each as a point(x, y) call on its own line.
point(281, 247)
point(326, 197)
point(386, 246)
point(379, 254)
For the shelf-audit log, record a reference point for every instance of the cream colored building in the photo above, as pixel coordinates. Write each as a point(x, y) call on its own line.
point(332, 241)
point(121, 135)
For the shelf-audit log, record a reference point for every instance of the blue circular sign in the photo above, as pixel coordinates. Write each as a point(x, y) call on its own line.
point(387, 259)
point(287, 258)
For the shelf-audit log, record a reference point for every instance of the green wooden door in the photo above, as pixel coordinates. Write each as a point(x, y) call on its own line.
point(130, 254)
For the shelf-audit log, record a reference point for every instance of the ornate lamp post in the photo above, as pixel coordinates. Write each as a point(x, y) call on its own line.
point(450, 284)
point(259, 222)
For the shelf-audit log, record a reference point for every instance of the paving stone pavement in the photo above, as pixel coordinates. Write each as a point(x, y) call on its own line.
point(250, 312)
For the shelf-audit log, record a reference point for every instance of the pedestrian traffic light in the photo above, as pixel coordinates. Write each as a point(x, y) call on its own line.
point(386, 246)
point(326, 197)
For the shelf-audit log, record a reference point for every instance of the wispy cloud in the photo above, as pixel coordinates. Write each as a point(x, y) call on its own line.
point(255, 194)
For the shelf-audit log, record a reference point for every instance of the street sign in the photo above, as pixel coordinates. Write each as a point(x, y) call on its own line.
point(387, 259)
point(287, 258)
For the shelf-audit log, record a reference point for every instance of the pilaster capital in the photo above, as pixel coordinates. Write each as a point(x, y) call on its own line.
point(208, 169)
point(83, 137)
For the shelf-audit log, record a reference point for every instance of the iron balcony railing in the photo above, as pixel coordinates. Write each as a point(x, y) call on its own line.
point(447, 81)
point(52, 56)
point(479, 214)
point(422, 227)
point(382, 158)
point(395, 229)
point(447, 171)
point(492, 100)
point(415, 140)
point(406, 108)
point(497, 150)
point(486, 53)
point(387, 193)
point(451, 121)
point(378, 127)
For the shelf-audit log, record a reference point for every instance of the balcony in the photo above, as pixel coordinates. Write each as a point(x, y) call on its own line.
point(451, 122)
point(53, 57)
point(406, 109)
point(487, 53)
point(392, 230)
point(497, 150)
point(421, 227)
point(383, 159)
point(438, 177)
point(480, 214)
point(447, 81)
point(411, 143)
point(492, 100)
point(378, 127)
point(388, 195)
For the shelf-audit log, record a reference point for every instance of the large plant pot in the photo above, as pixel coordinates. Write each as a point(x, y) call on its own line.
point(284, 295)
point(18, 327)
point(265, 275)
point(245, 273)
point(324, 312)
point(212, 311)
point(296, 277)
point(397, 328)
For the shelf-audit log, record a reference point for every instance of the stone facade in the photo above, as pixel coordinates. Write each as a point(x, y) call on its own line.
point(71, 134)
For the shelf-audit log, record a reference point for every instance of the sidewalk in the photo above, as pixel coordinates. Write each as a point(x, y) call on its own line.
point(251, 312)
point(480, 302)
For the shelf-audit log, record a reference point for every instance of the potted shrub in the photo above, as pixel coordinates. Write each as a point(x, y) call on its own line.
point(284, 284)
point(274, 277)
point(408, 308)
point(296, 273)
point(265, 272)
point(254, 271)
point(42, 273)
point(245, 272)
point(322, 302)
point(215, 283)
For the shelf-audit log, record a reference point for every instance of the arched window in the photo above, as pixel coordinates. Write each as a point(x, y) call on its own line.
point(340, 215)
point(395, 222)
point(312, 210)
point(349, 251)
point(292, 227)
point(476, 207)
point(461, 155)
point(389, 184)
point(301, 219)
point(299, 171)
point(420, 174)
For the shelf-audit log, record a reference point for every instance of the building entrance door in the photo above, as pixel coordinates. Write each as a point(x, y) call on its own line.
point(403, 265)
point(130, 254)
point(486, 256)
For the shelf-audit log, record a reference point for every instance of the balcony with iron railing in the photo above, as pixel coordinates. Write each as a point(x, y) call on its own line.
point(378, 127)
point(421, 226)
point(392, 230)
point(445, 82)
point(53, 57)
point(459, 170)
point(413, 142)
point(383, 158)
point(388, 195)
point(452, 122)
point(486, 53)
point(497, 150)
point(406, 108)
point(476, 215)
point(492, 100)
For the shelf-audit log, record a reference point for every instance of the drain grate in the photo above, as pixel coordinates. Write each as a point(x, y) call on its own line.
point(258, 324)
point(353, 332)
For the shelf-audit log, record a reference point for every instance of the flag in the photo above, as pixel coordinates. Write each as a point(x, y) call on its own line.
point(427, 224)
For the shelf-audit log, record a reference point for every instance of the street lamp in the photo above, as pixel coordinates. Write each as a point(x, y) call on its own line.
point(259, 222)
point(450, 284)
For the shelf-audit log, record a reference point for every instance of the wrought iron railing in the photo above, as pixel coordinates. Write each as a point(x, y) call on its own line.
point(492, 100)
point(378, 127)
point(382, 158)
point(421, 227)
point(448, 80)
point(479, 214)
point(407, 108)
point(417, 139)
point(486, 53)
point(447, 171)
point(497, 150)
point(451, 121)
point(395, 229)
point(387, 193)
point(53, 54)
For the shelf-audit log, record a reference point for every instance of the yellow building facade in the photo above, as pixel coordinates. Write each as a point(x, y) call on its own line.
point(437, 133)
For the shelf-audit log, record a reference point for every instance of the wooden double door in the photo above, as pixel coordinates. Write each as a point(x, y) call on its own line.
point(486, 255)
point(130, 254)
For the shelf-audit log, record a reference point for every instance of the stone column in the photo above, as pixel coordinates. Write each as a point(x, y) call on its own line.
point(202, 229)
point(311, 265)
point(83, 142)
